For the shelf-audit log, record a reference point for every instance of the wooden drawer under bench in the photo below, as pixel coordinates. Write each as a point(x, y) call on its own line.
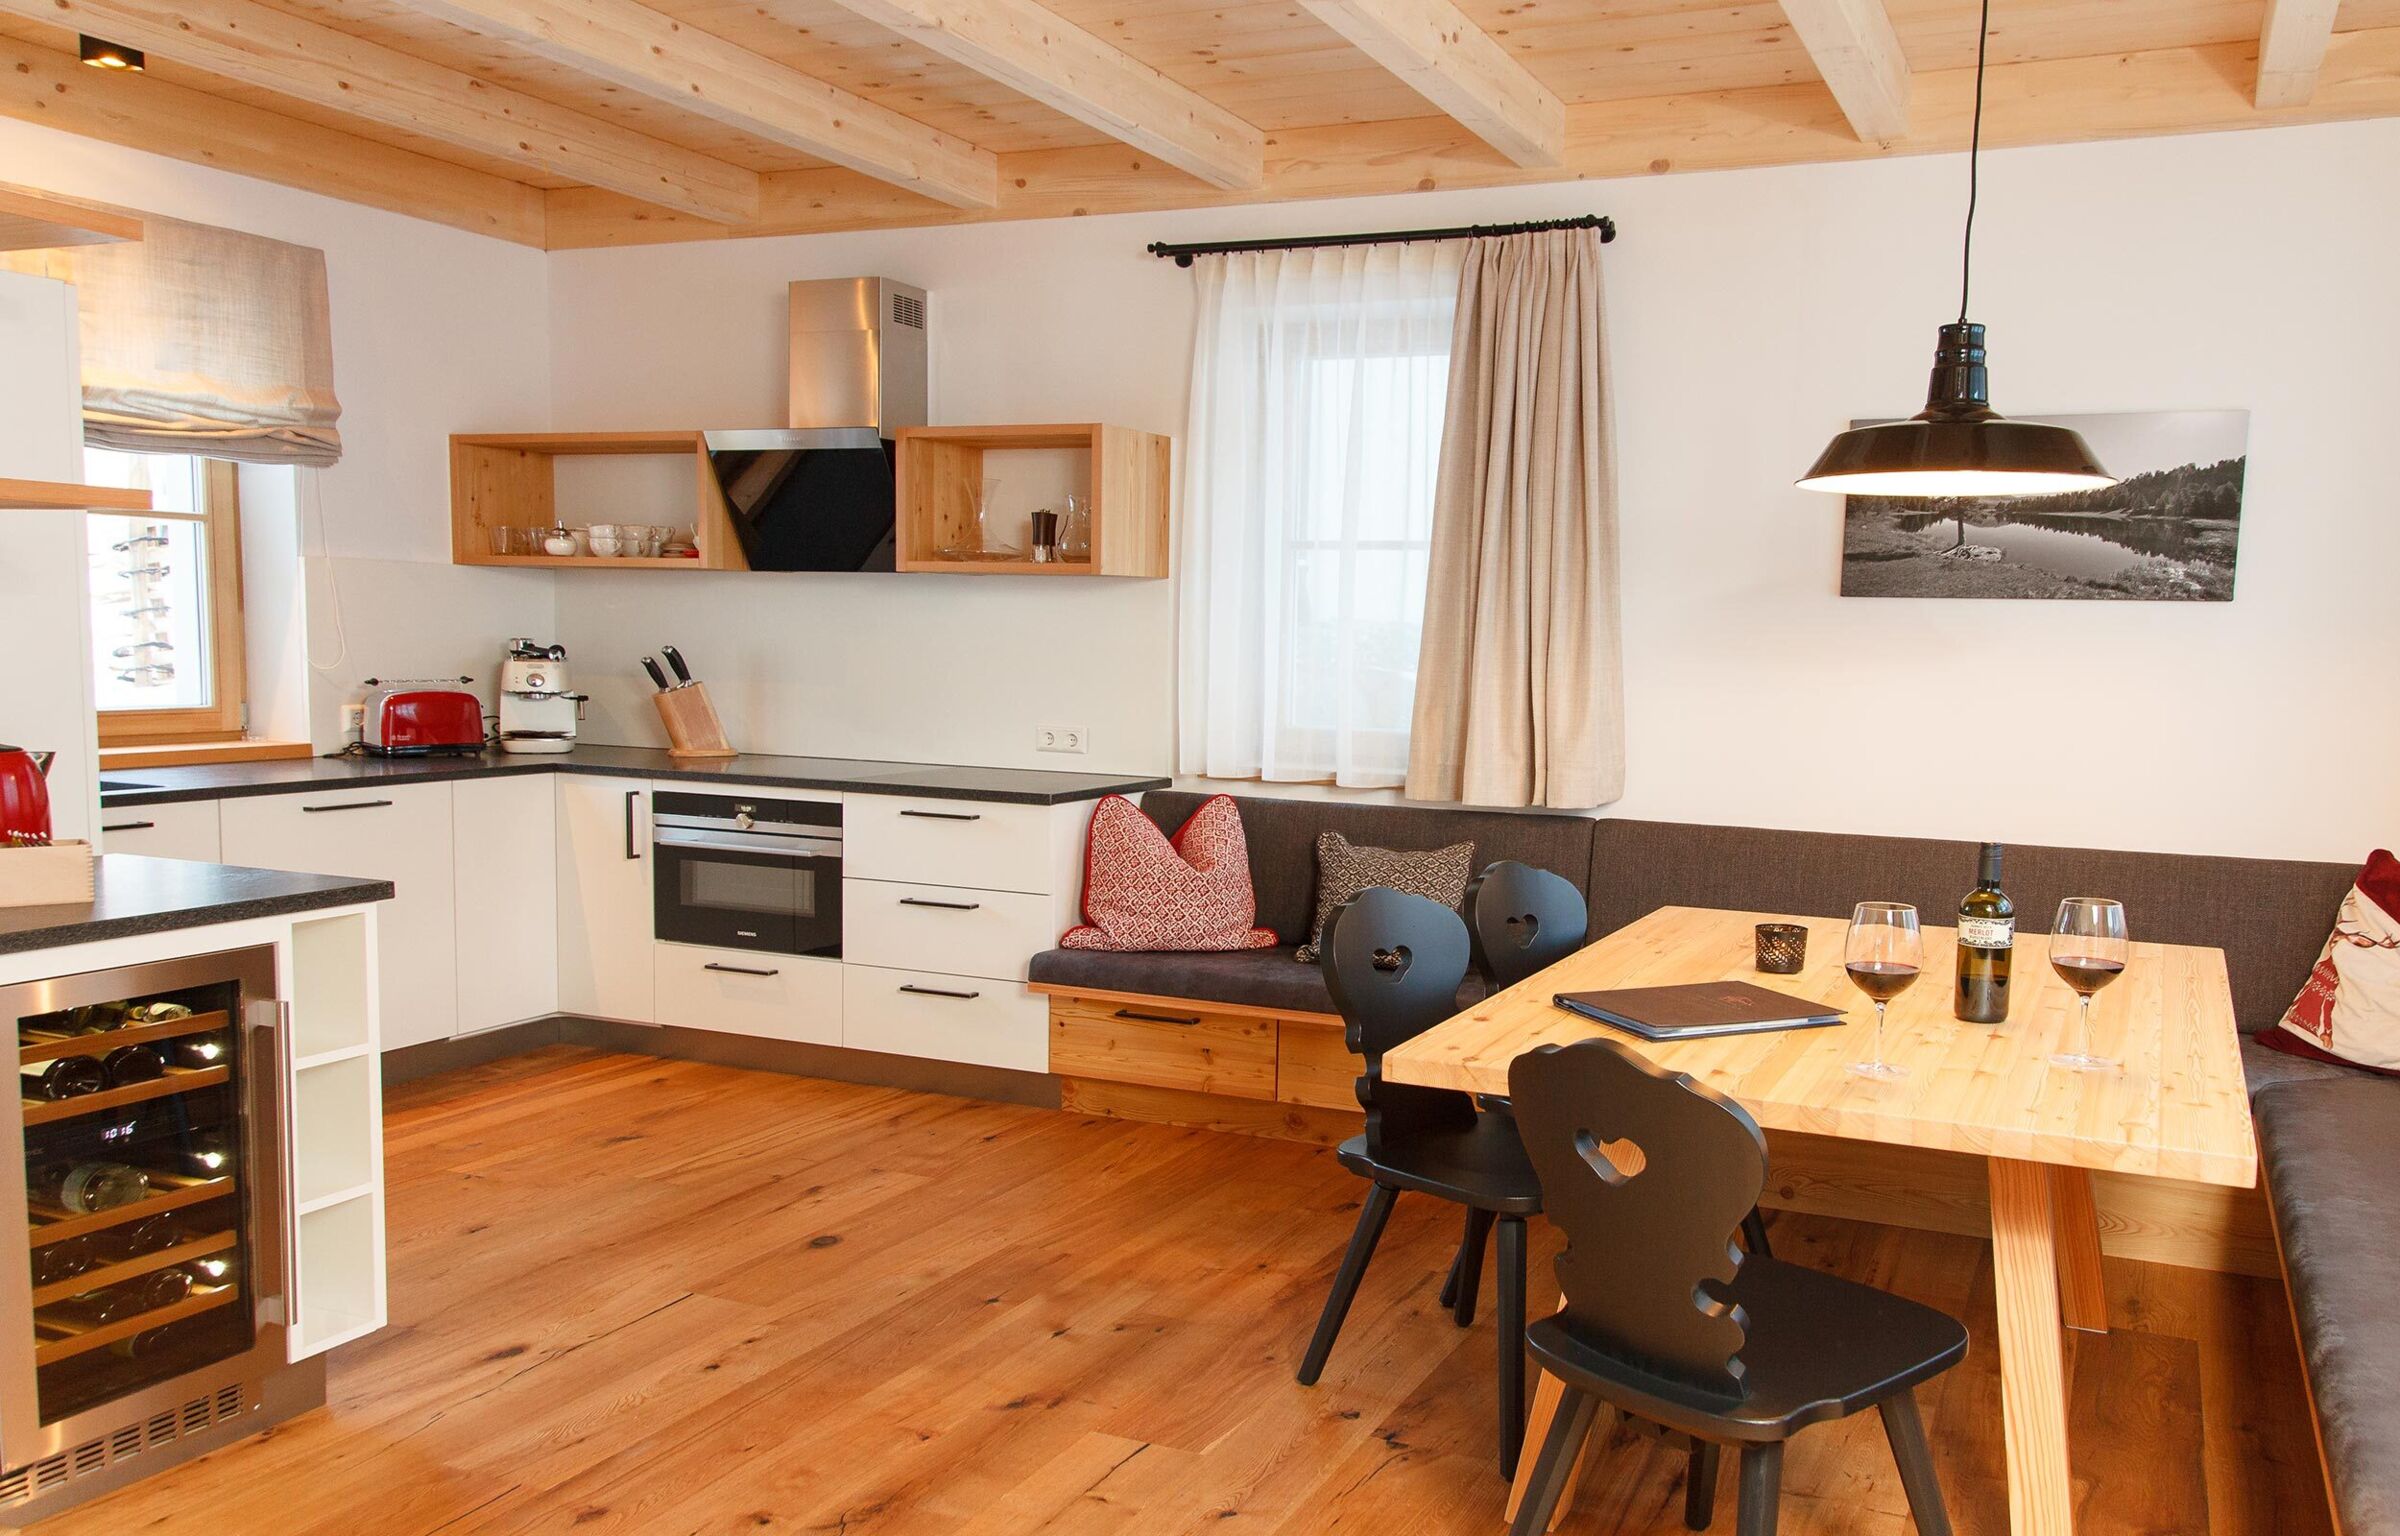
point(1211, 1064)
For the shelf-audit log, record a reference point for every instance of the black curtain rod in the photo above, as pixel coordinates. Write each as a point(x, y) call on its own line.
point(1183, 254)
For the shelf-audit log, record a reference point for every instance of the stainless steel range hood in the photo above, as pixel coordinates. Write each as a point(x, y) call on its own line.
point(816, 495)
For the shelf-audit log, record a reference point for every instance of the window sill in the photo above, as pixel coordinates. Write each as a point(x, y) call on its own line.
point(167, 754)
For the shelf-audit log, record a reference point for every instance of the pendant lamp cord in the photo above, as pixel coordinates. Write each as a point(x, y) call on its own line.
point(1966, 256)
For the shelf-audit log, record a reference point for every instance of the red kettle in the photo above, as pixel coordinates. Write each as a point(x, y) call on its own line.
point(24, 794)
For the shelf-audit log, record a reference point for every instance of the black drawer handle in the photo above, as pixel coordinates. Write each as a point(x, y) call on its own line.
point(355, 805)
point(128, 826)
point(738, 970)
point(1157, 1018)
point(938, 992)
point(632, 853)
point(946, 906)
point(945, 815)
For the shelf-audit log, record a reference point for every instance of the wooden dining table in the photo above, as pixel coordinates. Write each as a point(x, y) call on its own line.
point(2175, 1108)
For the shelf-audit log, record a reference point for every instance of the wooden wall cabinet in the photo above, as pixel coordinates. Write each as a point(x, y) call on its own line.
point(507, 479)
point(942, 468)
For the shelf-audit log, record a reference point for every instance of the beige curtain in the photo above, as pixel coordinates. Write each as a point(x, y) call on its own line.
point(203, 340)
point(1519, 697)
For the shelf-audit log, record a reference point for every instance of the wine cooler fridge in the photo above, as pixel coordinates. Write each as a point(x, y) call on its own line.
point(148, 1313)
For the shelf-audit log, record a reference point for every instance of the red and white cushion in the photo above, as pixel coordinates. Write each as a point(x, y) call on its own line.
point(2350, 1008)
point(1145, 890)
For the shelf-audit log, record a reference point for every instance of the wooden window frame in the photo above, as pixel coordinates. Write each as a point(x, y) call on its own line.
point(226, 719)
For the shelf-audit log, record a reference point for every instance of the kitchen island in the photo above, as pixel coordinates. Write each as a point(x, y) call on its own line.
point(198, 1166)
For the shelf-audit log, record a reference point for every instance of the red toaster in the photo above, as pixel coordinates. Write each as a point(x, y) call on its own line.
point(411, 719)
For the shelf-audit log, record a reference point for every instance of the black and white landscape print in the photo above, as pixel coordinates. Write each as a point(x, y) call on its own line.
point(2166, 532)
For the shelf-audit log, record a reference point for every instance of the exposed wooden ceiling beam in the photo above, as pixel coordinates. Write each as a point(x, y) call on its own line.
point(1444, 57)
point(1857, 55)
point(1043, 55)
point(2054, 101)
point(258, 45)
point(652, 53)
point(49, 87)
point(2291, 49)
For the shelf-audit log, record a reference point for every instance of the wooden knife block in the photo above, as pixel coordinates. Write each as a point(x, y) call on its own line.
point(693, 729)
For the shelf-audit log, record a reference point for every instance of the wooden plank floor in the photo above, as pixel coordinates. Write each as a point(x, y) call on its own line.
point(632, 1295)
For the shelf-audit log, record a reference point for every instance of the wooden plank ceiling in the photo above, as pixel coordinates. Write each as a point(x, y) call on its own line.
point(594, 122)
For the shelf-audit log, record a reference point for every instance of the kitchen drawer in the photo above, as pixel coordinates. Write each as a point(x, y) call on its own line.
point(184, 829)
point(1165, 1045)
point(948, 842)
point(945, 1017)
point(1314, 1067)
point(743, 992)
point(944, 928)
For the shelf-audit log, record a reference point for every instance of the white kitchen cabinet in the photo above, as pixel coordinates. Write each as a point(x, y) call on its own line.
point(949, 842)
point(604, 874)
point(960, 930)
point(333, 1106)
point(395, 832)
point(945, 1017)
point(745, 992)
point(183, 829)
point(504, 837)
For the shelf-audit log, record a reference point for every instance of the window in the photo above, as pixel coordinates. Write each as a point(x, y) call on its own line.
point(1319, 385)
point(166, 591)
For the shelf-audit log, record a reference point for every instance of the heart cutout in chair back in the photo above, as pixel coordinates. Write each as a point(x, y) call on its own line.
point(1393, 962)
point(1616, 1162)
point(1525, 928)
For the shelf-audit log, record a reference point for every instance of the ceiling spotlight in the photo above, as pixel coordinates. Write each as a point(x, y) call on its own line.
point(101, 54)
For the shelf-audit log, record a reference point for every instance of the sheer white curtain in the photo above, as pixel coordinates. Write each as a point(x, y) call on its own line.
point(1318, 381)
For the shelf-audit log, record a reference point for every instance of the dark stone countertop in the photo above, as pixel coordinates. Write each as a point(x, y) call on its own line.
point(135, 895)
point(222, 781)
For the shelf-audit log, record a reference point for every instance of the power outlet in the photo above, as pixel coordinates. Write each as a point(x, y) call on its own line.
point(1062, 738)
point(354, 719)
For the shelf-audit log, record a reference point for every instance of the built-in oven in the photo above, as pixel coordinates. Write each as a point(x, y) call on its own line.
point(748, 872)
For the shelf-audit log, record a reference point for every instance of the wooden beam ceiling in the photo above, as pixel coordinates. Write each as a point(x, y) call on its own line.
point(52, 88)
point(2134, 95)
point(1043, 55)
point(1453, 63)
point(1857, 55)
point(650, 52)
point(2291, 49)
point(258, 45)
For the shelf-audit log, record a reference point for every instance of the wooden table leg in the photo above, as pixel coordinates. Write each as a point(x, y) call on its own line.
point(2082, 1294)
point(2033, 1405)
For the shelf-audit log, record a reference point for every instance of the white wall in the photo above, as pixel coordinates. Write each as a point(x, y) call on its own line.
point(46, 690)
point(434, 331)
point(1752, 314)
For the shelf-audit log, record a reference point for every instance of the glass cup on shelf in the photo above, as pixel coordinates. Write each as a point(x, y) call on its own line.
point(507, 541)
point(2088, 949)
point(1883, 954)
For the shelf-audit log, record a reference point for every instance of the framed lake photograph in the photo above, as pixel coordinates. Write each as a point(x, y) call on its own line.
point(2166, 532)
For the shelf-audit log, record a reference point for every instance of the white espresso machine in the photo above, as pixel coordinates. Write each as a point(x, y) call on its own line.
point(538, 712)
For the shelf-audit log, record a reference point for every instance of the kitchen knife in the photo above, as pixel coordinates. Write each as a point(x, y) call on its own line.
point(683, 674)
point(650, 666)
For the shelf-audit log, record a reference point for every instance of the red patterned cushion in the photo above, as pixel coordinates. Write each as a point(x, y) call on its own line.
point(1144, 890)
point(2349, 1010)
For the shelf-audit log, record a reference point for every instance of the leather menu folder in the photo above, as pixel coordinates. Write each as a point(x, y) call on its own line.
point(1697, 1010)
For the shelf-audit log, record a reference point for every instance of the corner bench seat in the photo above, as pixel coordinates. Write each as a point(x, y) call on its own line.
point(2327, 1151)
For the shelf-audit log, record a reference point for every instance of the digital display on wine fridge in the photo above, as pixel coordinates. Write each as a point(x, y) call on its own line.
point(139, 1110)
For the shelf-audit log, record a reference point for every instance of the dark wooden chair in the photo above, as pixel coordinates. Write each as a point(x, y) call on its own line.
point(1649, 1174)
point(1393, 964)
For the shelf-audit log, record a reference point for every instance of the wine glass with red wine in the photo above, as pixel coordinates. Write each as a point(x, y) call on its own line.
point(1883, 954)
point(2088, 949)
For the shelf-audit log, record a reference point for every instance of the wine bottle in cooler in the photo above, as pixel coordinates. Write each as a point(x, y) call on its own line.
point(1987, 936)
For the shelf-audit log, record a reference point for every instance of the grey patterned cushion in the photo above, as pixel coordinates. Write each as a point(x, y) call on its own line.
point(1344, 869)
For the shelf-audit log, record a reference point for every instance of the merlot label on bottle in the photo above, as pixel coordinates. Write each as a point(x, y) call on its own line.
point(1988, 932)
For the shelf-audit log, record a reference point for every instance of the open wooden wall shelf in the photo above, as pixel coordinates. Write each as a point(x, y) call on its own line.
point(67, 496)
point(941, 468)
point(30, 221)
point(506, 479)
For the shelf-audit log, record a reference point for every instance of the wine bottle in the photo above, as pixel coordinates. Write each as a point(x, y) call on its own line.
point(1987, 936)
point(64, 1078)
point(86, 1187)
point(65, 1260)
point(134, 1064)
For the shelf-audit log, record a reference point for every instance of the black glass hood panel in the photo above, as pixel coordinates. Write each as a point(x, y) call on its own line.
point(818, 499)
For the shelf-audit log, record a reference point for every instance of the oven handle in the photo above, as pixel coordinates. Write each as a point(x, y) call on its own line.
point(794, 848)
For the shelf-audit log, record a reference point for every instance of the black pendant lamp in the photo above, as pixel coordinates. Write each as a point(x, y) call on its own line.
point(1958, 445)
